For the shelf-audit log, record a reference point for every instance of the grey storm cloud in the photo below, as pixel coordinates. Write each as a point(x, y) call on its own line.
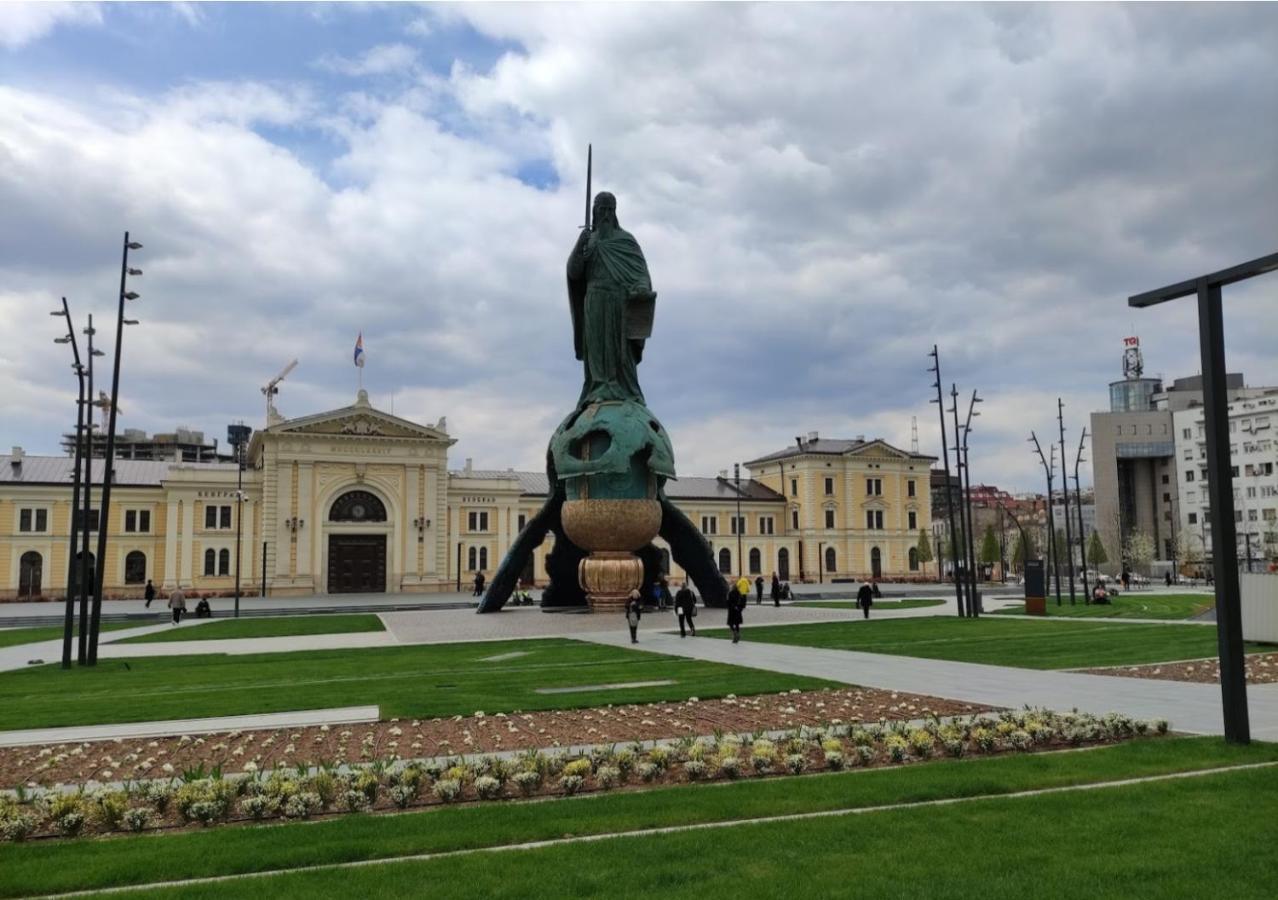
point(823, 192)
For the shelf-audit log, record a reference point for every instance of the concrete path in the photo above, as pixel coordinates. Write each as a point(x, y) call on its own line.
point(80, 733)
point(1189, 707)
point(20, 656)
point(246, 646)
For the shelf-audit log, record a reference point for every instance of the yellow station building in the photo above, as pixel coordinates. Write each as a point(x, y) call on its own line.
point(357, 500)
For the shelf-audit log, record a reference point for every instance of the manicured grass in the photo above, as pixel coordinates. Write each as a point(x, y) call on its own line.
point(1127, 606)
point(11, 637)
point(1001, 641)
point(285, 626)
point(407, 682)
point(101, 863)
point(910, 603)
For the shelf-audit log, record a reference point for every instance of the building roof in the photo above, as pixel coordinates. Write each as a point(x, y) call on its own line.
point(831, 447)
point(536, 484)
point(128, 472)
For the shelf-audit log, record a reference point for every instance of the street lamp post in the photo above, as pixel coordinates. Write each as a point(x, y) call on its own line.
point(236, 436)
point(738, 525)
point(973, 607)
point(1050, 470)
point(1069, 540)
point(68, 626)
point(1078, 502)
point(949, 487)
point(964, 511)
point(109, 462)
point(82, 644)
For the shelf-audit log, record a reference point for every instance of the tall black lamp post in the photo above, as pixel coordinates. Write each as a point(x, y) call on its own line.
point(1211, 339)
point(1069, 539)
point(1050, 470)
point(68, 627)
point(973, 607)
point(1078, 502)
point(739, 524)
point(964, 511)
point(949, 487)
point(88, 576)
point(237, 436)
point(107, 474)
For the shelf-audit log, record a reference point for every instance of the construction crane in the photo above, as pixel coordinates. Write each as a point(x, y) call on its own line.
point(271, 389)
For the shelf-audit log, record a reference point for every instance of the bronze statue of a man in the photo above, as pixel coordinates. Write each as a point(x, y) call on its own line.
point(612, 302)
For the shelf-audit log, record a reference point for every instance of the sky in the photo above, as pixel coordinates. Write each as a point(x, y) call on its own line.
point(822, 193)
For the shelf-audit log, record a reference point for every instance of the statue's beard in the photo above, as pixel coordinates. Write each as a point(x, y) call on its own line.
point(606, 222)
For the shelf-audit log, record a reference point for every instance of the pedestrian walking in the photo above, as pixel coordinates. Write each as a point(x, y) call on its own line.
point(177, 603)
point(776, 590)
point(479, 584)
point(667, 599)
point(634, 611)
point(743, 588)
point(865, 598)
point(1127, 580)
point(736, 612)
point(149, 593)
point(758, 590)
point(686, 610)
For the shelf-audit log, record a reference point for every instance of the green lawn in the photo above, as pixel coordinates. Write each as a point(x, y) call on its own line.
point(1127, 606)
point(407, 682)
point(11, 637)
point(910, 603)
point(1077, 845)
point(284, 626)
point(1001, 641)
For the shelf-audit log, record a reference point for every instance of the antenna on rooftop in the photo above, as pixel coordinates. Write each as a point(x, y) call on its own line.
point(271, 389)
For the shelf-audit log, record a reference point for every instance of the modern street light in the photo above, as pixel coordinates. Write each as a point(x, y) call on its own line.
point(949, 487)
point(1050, 470)
point(739, 523)
point(1078, 502)
point(237, 436)
point(68, 625)
point(1069, 540)
point(973, 607)
point(86, 524)
point(108, 475)
point(964, 511)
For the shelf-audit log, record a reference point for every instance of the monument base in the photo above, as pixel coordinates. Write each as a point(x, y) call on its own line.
point(608, 577)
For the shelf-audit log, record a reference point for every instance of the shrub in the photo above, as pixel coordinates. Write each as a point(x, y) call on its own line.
point(832, 745)
point(447, 789)
point(159, 795)
point(796, 763)
point(648, 771)
point(354, 800)
point(204, 801)
point(1161, 726)
point(324, 785)
point(729, 767)
point(660, 757)
point(487, 787)
point(865, 754)
point(366, 782)
point(571, 784)
point(954, 747)
point(579, 768)
point(607, 777)
point(67, 812)
point(624, 760)
point(896, 747)
point(921, 743)
point(140, 818)
point(527, 781)
point(301, 805)
point(985, 739)
point(1019, 740)
point(403, 794)
point(695, 769)
point(16, 825)
point(109, 808)
point(258, 806)
point(762, 762)
point(834, 760)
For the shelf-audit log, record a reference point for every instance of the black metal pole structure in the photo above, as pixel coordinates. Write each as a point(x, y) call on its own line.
point(973, 605)
point(739, 525)
point(966, 589)
point(1049, 471)
point(237, 436)
point(1069, 539)
point(263, 569)
point(107, 474)
point(1211, 338)
point(82, 643)
point(949, 487)
point(1078, 502)
point(68, 625)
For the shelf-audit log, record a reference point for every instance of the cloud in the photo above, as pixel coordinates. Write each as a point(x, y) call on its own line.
point(22, 23)
point(822, 193)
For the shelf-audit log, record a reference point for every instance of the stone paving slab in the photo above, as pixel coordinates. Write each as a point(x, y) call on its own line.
point(80, 733)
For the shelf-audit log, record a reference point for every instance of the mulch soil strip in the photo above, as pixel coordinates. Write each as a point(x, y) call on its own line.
point(165, 757)
point(1262, 668)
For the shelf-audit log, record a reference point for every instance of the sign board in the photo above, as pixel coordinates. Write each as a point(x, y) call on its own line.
point(1035, 587)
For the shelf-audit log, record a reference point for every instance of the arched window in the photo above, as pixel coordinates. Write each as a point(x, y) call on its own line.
point(224, 562)
point(483, 559)
point(30, 574)
point(75, 573)
point(135, 567)
point(756, 561)
point(914, 559)
point(357, 506)
point(876, 563)
point(210, 562)
point(472, 559)
point(725, 561)
point(831, 560)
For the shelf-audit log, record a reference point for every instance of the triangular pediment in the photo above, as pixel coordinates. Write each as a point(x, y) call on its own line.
point(360, 420)
point(879, 448)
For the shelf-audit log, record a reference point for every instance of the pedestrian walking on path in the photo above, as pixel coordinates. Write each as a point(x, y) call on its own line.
point(479, 584)
point(686, 610)
point(634, 610)
point(177, 603)
point(776, 590)
point(149, 593)
point(758, 590)
point(736, 610)
point(865, 599)
point(743, 588)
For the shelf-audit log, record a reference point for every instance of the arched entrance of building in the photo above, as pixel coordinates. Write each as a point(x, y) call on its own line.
point(783, 564)
point(30, 574)
point(357, 544)
point(876, 563)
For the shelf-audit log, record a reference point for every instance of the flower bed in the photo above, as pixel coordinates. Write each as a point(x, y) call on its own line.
point(1261, 668)
point(297, 793)
point(164, 757)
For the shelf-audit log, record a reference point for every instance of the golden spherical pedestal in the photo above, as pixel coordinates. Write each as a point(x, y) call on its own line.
point(611, 530)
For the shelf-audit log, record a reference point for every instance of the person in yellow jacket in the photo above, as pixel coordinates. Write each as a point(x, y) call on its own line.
point(743, 586)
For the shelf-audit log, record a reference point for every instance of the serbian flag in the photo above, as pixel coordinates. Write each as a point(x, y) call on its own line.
point(359, 350)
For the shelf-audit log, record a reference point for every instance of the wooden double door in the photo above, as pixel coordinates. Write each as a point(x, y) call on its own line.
point(356, 563)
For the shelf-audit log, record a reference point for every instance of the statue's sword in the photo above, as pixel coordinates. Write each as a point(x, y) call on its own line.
point(589, 151)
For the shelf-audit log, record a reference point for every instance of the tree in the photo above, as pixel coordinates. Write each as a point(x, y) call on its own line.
point(989, 547)
point(1022, 552)
point(1096, 554)
point(1188, 551)
point(1139, 551)
point(924, 547)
